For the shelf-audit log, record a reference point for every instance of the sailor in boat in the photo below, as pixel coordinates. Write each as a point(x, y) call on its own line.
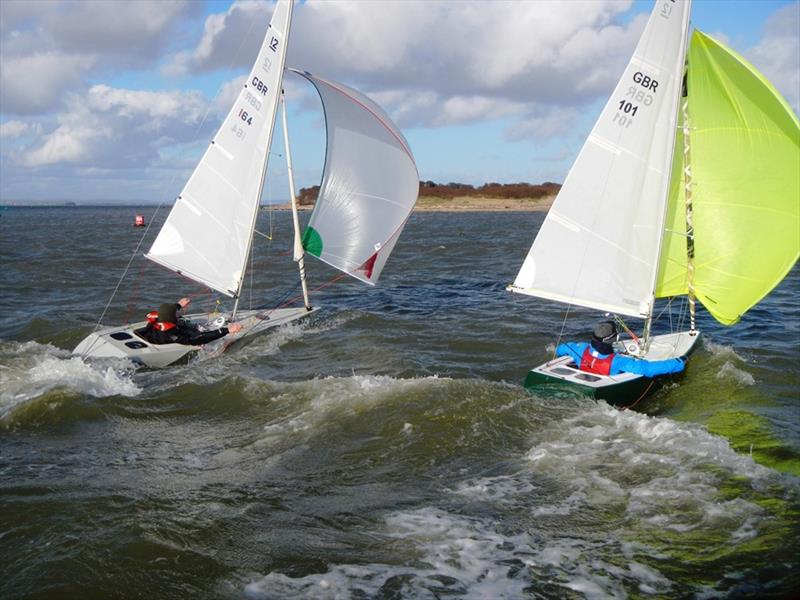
point(165, 327)
point(599, 356)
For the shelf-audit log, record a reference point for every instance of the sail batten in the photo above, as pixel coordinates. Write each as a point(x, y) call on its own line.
point(629, 311)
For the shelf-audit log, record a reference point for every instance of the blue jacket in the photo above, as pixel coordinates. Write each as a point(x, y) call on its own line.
point(622, 363)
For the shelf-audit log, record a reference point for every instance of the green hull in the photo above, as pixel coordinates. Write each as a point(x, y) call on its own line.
point(621, 394)
point(561, 376)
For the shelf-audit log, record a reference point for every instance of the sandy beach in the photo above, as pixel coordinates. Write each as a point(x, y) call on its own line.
point(464, 204)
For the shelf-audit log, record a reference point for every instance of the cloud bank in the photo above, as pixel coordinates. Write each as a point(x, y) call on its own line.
point(535, 67)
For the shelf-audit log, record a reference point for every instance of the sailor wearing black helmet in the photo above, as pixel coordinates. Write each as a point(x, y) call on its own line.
point(167, 328)
point(599, 357)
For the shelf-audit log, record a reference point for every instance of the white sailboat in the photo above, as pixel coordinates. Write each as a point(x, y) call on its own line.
point(369, 187)
point(687, 184)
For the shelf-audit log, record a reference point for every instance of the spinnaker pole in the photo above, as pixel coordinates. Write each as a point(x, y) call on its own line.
point(298, 247)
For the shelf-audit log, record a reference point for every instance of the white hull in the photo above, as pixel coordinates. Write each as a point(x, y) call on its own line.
point(124, 342)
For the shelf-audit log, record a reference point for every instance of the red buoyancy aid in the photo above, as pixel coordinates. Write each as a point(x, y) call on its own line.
point(152, 316)
point(593, 364)
point(164, 326)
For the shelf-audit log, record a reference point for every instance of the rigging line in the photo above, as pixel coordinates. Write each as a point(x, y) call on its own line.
point(627, 330)
point(316, 289)
point(270, 307)
point(135, 293)
point(644, 393)
point(196, 138)
point(561, 333)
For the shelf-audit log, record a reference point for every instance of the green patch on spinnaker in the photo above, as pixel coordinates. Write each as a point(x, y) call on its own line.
point(748, 433)
point(312, 241)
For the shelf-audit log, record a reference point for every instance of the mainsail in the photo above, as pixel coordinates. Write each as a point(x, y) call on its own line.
point(208, 233)
point(369, 185)
point(598, 246)
point(745, 165)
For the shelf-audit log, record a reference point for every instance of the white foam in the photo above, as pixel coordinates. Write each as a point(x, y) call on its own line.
point(654, 474)
point(503, 489)
point(664, 474)
point(455, 554)
point(464, 556)
point(330, 397)
point(730, 373)
point(34, 369)
point(720, 350)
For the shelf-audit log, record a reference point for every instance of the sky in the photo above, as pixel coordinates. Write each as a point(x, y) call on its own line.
point(114, 101)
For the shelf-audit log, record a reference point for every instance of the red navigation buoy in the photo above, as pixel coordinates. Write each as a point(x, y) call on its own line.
point(138, 221)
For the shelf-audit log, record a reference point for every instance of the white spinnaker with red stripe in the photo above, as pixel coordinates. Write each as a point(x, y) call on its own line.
point(369, 185)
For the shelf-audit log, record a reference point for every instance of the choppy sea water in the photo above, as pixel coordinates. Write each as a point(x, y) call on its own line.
point(383, 449)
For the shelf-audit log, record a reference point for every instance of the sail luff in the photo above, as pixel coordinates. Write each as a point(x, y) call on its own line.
point(680, 107)
point(287, 25)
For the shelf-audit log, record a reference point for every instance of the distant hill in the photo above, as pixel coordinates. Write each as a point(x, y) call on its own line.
point(430, 189)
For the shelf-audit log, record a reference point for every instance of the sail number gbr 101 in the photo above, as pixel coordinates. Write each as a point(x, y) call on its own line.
point(639, 93)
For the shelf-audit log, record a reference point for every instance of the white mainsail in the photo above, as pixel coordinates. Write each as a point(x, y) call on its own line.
point(208, 233)
point(369, 185)
point(599, 245)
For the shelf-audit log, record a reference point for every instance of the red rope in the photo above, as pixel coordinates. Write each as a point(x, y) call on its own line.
point(644, 393)
point(135, 293)
point(316, 289)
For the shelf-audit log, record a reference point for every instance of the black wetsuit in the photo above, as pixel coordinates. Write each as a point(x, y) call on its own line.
point(182, 333)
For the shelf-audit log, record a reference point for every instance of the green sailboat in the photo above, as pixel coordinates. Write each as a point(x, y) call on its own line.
point(689, 184)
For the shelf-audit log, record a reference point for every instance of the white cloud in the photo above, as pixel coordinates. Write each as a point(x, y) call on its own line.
point(439, 63)
point(112, 127)
point(18, 129)
point(777, 55)
point(131, 30)
point(14, 13)
point(227, 95)
point(544, 122)
point(36, 83)
point(230, 39)
point(50, 48)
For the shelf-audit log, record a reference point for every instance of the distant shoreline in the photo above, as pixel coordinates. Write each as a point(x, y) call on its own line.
point(462, 204)
point(424, 204)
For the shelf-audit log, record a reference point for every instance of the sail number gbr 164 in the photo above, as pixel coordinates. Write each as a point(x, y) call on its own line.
point(639, 93)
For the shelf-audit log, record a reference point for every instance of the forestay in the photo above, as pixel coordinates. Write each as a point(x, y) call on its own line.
point(598, 246)
point(745, 152)
point(369, 186)
point(208, 233)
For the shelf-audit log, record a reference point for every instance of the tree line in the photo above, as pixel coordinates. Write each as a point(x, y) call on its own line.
point(429, 189)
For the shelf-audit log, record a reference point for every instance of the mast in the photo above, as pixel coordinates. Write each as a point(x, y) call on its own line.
point(683, 105)
point(279, 85)
point(298, 248)
point(252, 233)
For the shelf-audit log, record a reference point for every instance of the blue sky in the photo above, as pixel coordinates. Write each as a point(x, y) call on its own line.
point(114, 101)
